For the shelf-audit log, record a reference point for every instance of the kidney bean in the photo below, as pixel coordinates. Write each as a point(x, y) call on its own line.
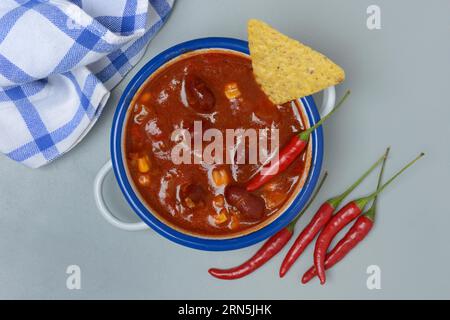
point(250, 205)
point(198, 95)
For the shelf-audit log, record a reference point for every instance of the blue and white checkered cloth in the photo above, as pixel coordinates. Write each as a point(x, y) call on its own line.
point(59, 59)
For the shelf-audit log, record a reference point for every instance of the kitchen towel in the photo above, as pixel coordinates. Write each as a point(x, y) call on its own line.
point(59, 59)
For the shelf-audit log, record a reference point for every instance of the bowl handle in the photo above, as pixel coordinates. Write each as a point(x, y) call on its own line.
point(328, 101)
point(101, 205)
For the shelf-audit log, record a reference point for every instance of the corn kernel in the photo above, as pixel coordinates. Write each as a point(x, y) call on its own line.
point(143, 164)
point(232, 91)
point(144, 180)
point(221, 217)
point(220, 177)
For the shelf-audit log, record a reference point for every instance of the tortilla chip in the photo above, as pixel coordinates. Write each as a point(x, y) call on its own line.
point(287, 69)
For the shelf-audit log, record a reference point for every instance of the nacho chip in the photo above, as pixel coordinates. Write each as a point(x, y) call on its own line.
point(287, 69)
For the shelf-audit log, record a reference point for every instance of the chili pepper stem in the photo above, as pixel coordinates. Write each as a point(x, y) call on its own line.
point(292, 224)
point(370, 213)
point(334, 202)
point(305, 134)
point(361, 203)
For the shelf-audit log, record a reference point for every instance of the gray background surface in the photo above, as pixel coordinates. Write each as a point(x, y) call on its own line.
point(399, 79)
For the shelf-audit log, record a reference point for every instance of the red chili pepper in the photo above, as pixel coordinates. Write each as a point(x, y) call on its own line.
point(343, 217)
point(265, 253)
point(320, 219)
point(288, 154)
point(356, 234)
point(270, 248)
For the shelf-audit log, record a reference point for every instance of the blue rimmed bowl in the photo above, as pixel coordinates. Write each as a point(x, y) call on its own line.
point(156, 222)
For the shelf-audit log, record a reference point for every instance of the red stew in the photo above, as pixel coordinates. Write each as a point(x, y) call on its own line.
point(217, 88)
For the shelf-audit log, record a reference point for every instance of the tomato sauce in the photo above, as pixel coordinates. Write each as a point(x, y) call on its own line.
point(218, 89)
